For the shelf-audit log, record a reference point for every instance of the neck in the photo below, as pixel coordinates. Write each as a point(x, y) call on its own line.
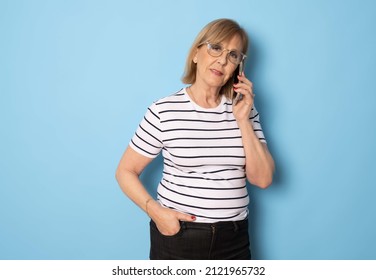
point(206, 98)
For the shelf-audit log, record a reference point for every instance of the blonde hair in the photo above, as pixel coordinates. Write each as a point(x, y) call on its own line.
point(216, 31)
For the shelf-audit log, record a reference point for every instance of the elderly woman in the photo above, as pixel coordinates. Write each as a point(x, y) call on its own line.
point(211, 142)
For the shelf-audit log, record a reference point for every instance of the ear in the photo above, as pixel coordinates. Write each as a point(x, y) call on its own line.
point(195, 57)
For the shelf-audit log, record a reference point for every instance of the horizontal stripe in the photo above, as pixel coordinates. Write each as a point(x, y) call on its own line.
point(200, 207)
point(202, 138)
point(208, 156)
point(207, 172)
point(203, 178)
point(198, 129)
point(173, 102)
point(204, 188)
point(196, 120)
point(194, 111)
point(205, 147)
point(199, 165)
point(203, 197)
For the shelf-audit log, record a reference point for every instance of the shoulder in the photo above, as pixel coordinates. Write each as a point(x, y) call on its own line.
point(172, 101)
point(177, 97)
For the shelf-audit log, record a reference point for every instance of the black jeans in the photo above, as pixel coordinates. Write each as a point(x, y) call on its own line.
point(202, 241)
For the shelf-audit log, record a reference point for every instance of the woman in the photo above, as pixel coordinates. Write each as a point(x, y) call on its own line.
point(211, 143)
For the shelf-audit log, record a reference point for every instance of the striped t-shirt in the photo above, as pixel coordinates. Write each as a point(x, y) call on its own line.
point(204, 160)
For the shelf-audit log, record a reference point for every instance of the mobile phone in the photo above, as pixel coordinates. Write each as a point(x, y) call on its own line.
point(238, 71)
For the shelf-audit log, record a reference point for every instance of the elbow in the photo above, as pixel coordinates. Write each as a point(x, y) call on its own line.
point(118, 174)
point(262, 179)
point(264, 184)
point(261, 183)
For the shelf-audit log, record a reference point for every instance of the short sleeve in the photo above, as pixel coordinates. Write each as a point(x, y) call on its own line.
point(147, 138)
point(255, 119)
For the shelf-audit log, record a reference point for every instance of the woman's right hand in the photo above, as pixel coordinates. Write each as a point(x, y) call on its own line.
point(167, 220)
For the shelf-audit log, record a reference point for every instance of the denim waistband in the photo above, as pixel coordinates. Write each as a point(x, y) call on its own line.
point(219, 225)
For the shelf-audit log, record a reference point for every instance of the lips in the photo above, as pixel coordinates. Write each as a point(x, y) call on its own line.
point(216, 72)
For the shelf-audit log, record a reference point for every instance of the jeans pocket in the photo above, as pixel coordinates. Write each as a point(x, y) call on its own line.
point(154, 228)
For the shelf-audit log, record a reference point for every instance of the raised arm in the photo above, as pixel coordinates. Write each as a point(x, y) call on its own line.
point(259, 162)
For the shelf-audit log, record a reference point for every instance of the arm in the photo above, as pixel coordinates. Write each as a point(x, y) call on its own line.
point(127, 174)
point(259, 162)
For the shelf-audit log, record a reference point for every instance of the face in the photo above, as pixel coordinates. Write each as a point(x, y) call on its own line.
point(215, 71)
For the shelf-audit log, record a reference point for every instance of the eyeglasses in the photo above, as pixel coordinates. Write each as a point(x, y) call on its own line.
point(216, 50)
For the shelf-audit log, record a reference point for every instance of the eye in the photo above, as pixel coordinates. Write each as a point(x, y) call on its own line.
point(216, 47)
point(234, 55)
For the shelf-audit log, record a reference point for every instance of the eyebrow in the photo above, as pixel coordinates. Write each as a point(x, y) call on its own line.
point(227, 48)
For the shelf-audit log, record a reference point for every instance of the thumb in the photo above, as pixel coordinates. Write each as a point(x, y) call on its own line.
point(186, 217)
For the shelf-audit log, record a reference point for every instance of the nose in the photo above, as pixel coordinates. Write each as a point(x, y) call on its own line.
point(222, 59)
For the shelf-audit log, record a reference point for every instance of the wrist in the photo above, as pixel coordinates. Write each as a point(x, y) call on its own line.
point(244, 123)
point(148, 201)
point(150, 207)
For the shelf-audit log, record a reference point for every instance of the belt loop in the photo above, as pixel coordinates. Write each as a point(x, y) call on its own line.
point(236, 227)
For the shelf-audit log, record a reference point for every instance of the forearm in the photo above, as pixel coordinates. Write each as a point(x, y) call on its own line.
point(167, 220)
point(133, 188)
point(259, 162)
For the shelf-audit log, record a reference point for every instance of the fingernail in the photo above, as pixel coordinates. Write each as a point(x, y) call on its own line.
point(193, 217)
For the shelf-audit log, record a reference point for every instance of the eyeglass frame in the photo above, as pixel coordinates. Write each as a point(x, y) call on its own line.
point(208, 44)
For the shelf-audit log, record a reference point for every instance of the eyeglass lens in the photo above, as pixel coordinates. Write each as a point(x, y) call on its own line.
point(217, 50)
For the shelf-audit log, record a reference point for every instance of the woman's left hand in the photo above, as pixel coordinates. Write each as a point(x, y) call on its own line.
point(243, 107)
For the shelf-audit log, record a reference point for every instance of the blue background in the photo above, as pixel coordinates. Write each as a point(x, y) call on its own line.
point(76, 78)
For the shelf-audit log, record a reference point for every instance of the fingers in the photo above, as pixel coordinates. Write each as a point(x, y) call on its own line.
point(244, 90)
point(242, 107)
point(170, 225)
point(186, 217)
point(244, 86)
point(243, 79)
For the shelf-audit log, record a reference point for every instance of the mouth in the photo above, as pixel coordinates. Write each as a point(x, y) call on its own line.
point(216, 72)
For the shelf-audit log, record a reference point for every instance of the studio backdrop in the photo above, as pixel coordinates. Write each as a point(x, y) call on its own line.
point(76, 78)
